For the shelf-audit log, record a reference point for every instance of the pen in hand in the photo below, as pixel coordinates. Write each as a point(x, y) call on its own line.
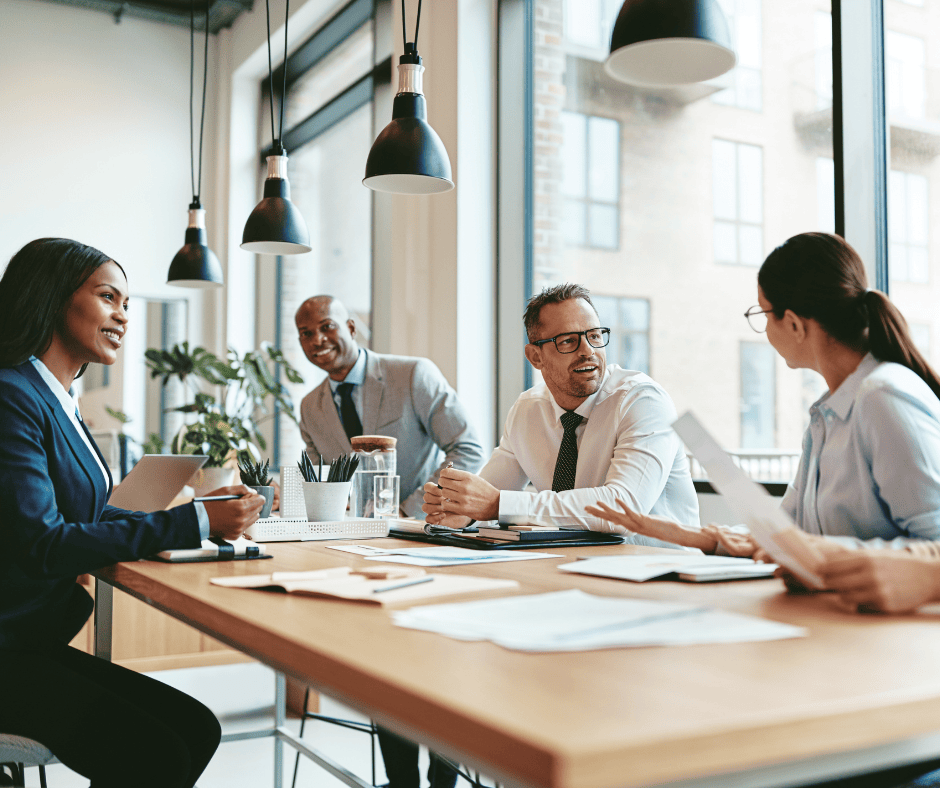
point(446, 467)
point(404, 584)
point(217, 498)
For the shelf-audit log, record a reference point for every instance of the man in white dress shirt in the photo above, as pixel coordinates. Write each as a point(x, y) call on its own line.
point(588, 433)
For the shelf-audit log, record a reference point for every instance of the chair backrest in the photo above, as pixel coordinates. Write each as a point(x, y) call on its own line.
point(18, 749)
point(712, 507)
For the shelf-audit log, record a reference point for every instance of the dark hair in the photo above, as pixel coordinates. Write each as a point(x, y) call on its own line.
point(820, 276)
point(35, 291)
point(551, 295)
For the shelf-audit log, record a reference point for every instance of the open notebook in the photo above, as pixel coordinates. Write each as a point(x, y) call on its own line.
point(770, 526)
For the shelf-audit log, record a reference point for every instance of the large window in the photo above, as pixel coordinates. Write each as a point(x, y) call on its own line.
point(706, 190)
point(328, 133)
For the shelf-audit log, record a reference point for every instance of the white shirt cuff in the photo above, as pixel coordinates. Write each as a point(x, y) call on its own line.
point(203, 520)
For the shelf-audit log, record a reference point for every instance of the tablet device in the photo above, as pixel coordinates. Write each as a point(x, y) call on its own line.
point(155, 481)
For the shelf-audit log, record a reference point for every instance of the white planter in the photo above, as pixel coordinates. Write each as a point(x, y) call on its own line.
point(326, 501)
point(205, 480)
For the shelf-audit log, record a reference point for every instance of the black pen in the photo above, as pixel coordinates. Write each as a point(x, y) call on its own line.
point(217, 498)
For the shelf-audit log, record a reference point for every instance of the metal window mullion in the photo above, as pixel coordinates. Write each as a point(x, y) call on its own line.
point(861, 167)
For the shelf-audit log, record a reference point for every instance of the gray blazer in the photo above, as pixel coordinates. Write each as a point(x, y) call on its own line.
point(405, 398)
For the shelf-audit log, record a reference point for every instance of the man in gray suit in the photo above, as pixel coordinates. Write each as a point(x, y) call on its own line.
point(370, 393)
point(406, 398)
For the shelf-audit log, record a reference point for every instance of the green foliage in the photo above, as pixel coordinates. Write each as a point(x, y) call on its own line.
point(254, 474)
point(229, 424)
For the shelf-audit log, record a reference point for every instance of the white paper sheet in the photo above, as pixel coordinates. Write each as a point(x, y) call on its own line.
point(770, 526)
point(440, 556)
point(638, 568)
point(575, 621)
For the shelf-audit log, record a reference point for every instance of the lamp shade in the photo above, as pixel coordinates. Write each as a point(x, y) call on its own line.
point(195, 265)
point(408, 157)
point(662, 43)
point(276, 226)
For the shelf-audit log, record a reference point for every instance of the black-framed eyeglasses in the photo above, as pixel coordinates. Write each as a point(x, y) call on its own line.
point(570, 341)
point(757, 318)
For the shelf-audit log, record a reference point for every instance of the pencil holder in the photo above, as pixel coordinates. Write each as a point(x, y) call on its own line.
point(326, 501)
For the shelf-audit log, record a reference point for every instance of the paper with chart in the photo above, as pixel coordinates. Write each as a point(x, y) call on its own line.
point(770, 526)
point(576, 621)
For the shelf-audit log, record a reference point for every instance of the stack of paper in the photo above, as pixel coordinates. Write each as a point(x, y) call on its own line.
point(437, 556)
point(576, 621)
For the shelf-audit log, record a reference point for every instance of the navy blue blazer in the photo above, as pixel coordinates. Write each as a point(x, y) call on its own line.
point(55, 523)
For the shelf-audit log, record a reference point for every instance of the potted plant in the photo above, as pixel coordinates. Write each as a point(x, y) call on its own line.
point(226, 429)
point(255, 475)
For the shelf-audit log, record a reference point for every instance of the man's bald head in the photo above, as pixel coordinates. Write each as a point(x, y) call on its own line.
point(327, 335)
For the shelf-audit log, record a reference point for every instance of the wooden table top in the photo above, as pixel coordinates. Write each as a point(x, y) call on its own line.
point(616, 717)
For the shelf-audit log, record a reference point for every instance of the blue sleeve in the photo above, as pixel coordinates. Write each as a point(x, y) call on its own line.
point(47, 520)
point(901, 439)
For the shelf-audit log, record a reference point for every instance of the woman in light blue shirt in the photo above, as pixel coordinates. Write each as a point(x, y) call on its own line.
point(870, 467)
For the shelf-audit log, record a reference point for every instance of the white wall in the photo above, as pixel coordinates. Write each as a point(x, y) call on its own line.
point(95, 135)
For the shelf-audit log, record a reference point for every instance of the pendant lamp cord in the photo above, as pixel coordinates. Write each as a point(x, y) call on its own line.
point(404, 32)
point(197, 186)
point(278, 146)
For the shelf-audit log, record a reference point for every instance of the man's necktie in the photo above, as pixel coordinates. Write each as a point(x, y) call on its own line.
point(347, 411)
point(567, 463)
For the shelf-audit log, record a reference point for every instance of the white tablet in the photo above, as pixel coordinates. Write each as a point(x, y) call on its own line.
point(155, 481)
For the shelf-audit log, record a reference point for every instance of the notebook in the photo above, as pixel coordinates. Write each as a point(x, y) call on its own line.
point(155, 481)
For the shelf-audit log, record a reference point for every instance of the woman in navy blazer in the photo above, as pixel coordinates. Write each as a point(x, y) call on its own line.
point(64, 305)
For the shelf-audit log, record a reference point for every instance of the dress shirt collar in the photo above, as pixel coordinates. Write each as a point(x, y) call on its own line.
point(356, 376)
point(585, 408)
point(841, 400)
point(68, 400)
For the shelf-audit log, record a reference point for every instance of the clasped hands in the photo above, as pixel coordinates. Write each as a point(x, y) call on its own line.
point(458, 498)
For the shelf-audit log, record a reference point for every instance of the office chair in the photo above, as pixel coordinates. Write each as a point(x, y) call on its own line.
point(362, 727)
point(17, 753)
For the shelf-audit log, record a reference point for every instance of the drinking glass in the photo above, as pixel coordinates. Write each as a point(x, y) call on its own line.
point(386, 496)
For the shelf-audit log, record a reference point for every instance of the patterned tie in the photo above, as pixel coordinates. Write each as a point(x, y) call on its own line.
point(567, 463)
point(347, 411)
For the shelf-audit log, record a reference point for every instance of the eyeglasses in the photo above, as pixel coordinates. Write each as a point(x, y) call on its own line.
point(757, 318)
point(571, 341)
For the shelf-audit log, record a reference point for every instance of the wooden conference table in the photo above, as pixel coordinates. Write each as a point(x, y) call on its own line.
point(860, 691)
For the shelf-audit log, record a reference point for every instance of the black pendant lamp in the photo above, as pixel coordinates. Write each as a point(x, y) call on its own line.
point(408, 157)
point(195, 265)
point(664, 43)
point(276, 226)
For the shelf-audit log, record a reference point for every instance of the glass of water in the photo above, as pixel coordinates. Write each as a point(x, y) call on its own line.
point(386, 496)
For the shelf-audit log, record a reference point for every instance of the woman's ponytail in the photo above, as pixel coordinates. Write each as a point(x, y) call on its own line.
point(889, 338)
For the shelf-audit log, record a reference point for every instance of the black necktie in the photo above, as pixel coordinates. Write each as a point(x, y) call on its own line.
point(567, 463)
point(347, 410)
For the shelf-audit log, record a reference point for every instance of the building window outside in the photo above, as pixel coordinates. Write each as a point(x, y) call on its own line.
point(737, 202)
point(629, 322)
point(822, 60)
point(743, 84)
point(588, 25)
point(905, 75)
point(758, 387)
point(591, 180)
point(908, 227)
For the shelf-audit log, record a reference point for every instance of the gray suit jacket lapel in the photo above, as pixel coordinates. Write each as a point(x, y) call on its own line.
point(374, 387)
point(331, 421)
